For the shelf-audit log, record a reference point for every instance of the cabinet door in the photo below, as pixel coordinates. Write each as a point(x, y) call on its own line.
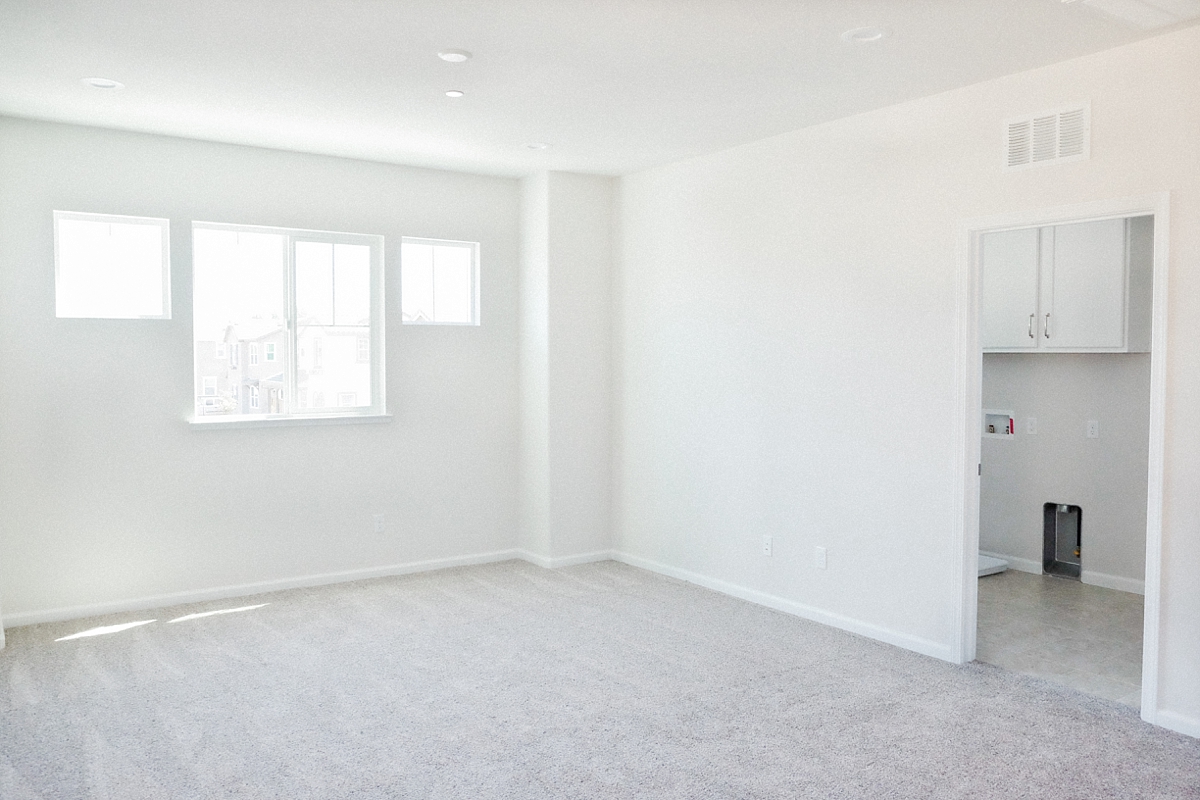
point(1009, 290)
point(1083, 292)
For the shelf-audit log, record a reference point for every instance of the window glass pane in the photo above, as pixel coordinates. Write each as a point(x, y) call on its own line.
point(416, 282)
point(333, 309)
point(239, 302)
point(452, 291)
point(314, 283)
point(108, 268)
point(352, 284)
point(438, 282)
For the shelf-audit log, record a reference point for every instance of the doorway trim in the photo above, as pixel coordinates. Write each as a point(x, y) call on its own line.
point(968, 390)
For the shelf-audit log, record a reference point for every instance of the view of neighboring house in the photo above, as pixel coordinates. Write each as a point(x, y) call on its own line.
point(245, 372)
point(334, 366)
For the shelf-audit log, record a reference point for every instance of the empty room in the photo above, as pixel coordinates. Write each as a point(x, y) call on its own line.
point(650, 399)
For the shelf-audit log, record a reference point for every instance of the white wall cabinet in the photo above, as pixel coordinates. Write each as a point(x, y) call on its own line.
point(1070, 288)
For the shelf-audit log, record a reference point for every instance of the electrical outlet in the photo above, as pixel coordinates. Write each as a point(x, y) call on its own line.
point(379, 524)
point(1093, 429)
point(1031, 426)
point(820, 558)
point(766, 545)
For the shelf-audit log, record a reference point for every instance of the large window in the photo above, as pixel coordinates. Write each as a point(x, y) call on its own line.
point(439, 282)
point(297, 305)
point(106, 266)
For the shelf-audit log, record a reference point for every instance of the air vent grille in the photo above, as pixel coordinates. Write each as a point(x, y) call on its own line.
point(1048, 138)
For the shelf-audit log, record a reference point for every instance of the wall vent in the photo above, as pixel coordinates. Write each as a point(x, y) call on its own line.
point(1048, 138)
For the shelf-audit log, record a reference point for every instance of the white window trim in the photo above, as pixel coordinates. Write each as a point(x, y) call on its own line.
point(376, 411)
point(475, 314)
point(165, 224)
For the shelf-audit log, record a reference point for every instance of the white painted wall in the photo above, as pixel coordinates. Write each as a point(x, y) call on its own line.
point(566, 354)
point(108, 495)
point(1105, 477)
point(787, 323)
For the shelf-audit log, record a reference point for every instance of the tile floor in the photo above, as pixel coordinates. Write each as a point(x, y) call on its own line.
point(1064, 631)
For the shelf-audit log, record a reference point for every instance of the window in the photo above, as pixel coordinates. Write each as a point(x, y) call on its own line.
point(219, 351)
point(439, 282)
point(111, 267)
point(283, 293)
point(210, 386)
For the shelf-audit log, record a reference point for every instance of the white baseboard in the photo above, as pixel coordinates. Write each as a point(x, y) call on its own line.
point(247, 589)
point(1019, 564)
point(1113, 582)
point(564, 561)
point(1089, 577)
point(1180, 723)
point(917, 644)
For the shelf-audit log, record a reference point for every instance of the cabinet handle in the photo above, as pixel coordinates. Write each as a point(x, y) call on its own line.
point(1047, 326)
point(1031, 316)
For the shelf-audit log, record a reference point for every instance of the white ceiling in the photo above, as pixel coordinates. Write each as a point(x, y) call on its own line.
point(614, 85)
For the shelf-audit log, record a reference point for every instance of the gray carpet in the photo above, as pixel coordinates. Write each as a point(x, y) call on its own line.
point(513, 681)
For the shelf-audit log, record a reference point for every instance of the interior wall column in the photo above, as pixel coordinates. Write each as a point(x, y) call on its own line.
point(566, 366)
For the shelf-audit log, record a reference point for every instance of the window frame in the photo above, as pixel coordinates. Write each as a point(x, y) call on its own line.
point(377, 409)
point(476, 315)
point(162, 223)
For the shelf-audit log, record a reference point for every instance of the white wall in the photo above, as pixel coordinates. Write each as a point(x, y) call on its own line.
point(566, 353)
point(1105, 477)
point(108, 495)
point(787, 323)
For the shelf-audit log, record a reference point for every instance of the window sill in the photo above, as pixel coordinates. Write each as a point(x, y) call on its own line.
point(214, 422)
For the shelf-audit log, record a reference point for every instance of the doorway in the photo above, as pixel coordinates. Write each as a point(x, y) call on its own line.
point(971, 364)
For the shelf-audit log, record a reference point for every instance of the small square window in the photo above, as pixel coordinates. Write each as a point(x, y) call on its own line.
point(347, 399)
point(111, 267)
point(210, 386)
point(439, 282)
point(219, 350)
point(270, 346)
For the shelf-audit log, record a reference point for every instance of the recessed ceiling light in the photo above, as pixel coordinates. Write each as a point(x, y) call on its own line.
point(103, 83)
point(863, 35)
point(454, 56)
point(455, 93)
point(538, 146)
